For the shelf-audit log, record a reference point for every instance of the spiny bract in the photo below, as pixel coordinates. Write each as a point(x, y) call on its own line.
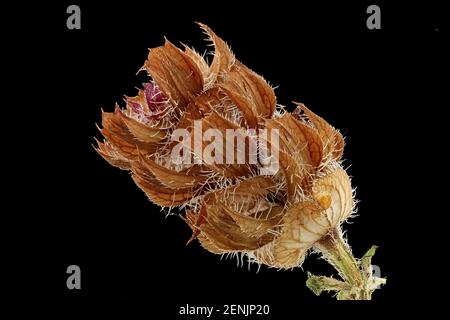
point(273, 219)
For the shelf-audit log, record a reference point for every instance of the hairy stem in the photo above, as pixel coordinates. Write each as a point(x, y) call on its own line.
point(358, 282)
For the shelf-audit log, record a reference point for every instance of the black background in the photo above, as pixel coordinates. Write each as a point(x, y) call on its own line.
point(65, 205)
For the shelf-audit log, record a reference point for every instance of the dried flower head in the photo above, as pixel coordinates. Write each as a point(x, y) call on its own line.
point(233, 208)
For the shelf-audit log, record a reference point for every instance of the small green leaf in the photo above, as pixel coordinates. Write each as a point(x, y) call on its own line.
point(366, 260)
point(317, 284)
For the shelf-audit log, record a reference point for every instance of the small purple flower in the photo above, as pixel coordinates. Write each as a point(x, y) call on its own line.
point(155, 97)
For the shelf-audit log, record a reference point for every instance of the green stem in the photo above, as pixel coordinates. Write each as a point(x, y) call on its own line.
point(358, 282)
point(337, 253)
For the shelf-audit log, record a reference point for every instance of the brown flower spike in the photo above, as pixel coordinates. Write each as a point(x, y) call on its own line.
point(232, 208)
